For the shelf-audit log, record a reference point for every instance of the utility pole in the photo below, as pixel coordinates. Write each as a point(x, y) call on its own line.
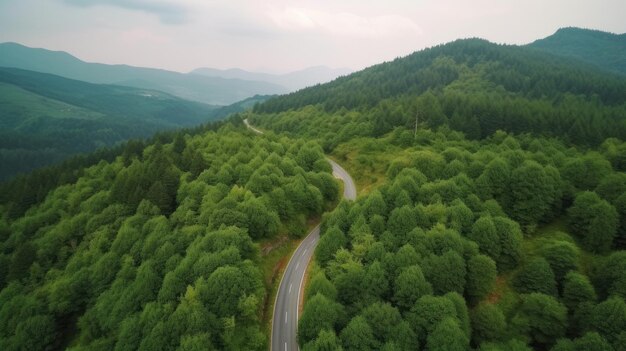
point(416, 120)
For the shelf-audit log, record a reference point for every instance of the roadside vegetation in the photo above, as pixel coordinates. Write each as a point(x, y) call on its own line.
point(495, 208)
point(509, 242)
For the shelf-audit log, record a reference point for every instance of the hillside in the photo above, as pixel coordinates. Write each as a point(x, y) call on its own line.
point(292, 81)
point(156, 248)
point(494, 214)
point(602, 49)
point(471, 85)
point(46, 118)
point(209, 90)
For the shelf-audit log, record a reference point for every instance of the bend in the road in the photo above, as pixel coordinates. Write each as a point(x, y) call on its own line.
point(285, 318)
point(245, 121)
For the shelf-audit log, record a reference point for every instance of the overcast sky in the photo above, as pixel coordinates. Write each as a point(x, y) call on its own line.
point(280, 36)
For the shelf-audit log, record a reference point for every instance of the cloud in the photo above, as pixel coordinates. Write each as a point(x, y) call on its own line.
point(343, 23)
point(168, 12)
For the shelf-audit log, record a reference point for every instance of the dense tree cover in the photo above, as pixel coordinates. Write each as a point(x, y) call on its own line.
point(605, 50)
point(471, 85)
point(473, 148)
point(441, 260)
point(26, 190)
point(155, 249)
point(594, 220)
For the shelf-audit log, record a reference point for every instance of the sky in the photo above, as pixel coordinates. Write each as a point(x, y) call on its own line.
point(279, 36)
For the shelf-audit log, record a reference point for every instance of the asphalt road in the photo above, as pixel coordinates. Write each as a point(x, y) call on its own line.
point(349, 189)
point(285, 319)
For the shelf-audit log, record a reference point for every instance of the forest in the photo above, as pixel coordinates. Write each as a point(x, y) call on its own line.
point(491, 216)
point(495, 208)
point(602, 49)
point(158, 249)
point(510, 243)
point(472, 86)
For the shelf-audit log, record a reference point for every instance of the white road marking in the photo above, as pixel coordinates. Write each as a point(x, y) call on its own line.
point(299, 290)
point(285, 317)
point(304, 253)
point(290, 288)
point(297, 265)
point(285, 346)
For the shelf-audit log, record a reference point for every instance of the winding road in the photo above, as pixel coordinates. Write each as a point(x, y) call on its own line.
point(285, 319)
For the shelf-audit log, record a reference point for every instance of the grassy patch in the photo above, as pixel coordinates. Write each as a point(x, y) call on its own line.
point(503, 293)
point(558, 230)
point(367, 160)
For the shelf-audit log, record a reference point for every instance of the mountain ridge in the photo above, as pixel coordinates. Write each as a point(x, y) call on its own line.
point(407, 78)
point(603, 49)
point(210, 90)
point(471, 85)
point(45, 118)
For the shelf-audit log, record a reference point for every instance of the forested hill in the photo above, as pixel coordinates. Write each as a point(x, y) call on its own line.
point(476, 87)
point(502, 237)
point(156, 248)
point(46, 118)
point(605, 50)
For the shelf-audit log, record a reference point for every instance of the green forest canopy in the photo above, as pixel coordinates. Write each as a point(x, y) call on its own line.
point(472, 86)
point(510, 242)
point(498, 216)
point(157, 250)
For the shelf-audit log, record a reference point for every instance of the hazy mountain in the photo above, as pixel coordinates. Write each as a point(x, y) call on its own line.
point(210, 90)
point(45, 118)
point(239, 106)
point(605, 50)
point(292, 81)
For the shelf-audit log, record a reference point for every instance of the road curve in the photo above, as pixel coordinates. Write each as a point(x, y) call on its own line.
point(245, 121)
point(285, 318)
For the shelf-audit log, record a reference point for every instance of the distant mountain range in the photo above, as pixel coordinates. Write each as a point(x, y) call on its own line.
point(292, 81)
point(207, 85)
point(209, 90)
point(602, 49)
